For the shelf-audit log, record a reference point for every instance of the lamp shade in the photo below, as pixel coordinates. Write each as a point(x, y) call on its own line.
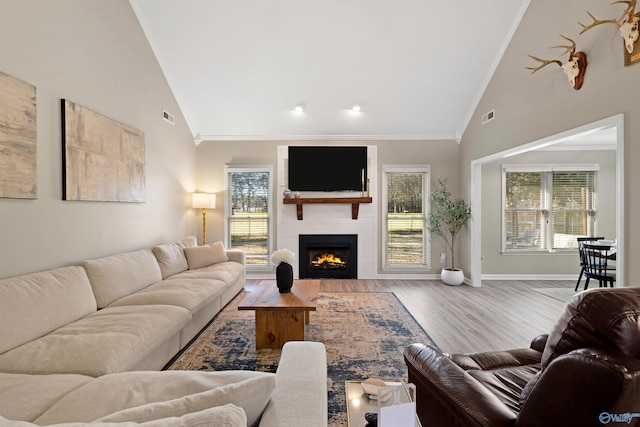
point(203, 200)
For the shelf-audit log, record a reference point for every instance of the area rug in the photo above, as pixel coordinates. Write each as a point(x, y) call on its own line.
point(365, 335)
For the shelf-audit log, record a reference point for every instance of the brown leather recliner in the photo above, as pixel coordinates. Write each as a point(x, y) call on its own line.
point(586, 372)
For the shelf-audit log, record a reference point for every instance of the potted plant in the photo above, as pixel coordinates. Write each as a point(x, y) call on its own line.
point(446, 218)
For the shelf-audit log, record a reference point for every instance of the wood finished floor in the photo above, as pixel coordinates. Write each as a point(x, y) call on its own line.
point(499, 315)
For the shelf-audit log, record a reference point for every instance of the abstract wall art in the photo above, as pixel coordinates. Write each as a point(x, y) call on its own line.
point(103, 160)
point(18, 139)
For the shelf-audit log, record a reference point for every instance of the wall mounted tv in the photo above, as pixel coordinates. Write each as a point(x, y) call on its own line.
point(327, 168)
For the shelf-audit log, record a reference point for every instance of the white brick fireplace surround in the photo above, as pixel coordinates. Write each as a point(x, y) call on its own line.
point(329, 218)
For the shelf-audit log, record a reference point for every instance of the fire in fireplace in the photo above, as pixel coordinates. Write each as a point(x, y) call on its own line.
point(328, 256)
point(328, 261)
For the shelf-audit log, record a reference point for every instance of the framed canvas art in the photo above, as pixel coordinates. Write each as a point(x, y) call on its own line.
point(103, 160)
point(18, 139)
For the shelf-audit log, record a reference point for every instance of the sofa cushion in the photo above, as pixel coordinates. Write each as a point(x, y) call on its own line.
point(191, 294)
point(36, 304)
point(115, 276)
point(171, 258)
point(226, 272)
point(497, 359)
point(252, 395)
point(113, 394)
point(25, 397)
point(228, 415)
point(506, 383)
point(113, 339)
point(203, 256)
point(221, 416)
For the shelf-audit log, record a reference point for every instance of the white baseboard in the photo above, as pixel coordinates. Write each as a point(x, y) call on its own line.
point(574, 277)
point(272, 276)
point(530, 277)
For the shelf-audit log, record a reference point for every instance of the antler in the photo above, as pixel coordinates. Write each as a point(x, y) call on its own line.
point(571, 49)
point(596, 22)
point(629, 11)
point(545, 62)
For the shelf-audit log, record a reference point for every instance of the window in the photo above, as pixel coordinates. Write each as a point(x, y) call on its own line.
point(248, 213)
point(546, 207)
point(405, 195)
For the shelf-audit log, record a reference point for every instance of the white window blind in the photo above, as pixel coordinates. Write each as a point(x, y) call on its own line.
point(248, 213)
point(573, 207)
point(406, 213)
point(549, 208)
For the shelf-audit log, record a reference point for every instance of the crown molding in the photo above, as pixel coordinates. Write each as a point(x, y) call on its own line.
point(317, 137)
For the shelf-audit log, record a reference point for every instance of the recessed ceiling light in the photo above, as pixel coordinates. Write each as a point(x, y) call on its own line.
point(299, 108)
point(356, 108)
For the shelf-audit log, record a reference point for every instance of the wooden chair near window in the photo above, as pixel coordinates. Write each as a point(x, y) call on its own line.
point(583, 260)
point(597, 268)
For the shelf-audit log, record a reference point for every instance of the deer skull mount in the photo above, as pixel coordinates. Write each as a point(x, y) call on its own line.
point(574, 67)
point(629, 31)
point(627, 24)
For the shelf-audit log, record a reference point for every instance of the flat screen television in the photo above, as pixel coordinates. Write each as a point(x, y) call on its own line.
point(327, 168)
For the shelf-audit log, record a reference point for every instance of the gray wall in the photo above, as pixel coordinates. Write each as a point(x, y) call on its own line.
point(93, 53)
point(531, 107)
point(557, 263)
point(213, 155)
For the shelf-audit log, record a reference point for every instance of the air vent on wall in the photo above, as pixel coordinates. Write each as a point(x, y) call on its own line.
point(487, 117)
point(168, 117)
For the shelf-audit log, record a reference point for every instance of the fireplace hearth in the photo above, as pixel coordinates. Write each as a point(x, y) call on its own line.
point(328, 256)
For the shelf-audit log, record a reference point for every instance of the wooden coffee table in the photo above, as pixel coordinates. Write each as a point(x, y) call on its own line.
point(281, 317)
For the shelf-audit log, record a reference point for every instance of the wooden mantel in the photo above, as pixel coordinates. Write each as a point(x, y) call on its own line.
point(355, 203)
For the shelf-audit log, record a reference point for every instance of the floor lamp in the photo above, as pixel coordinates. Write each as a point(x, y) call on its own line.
point(203, 201)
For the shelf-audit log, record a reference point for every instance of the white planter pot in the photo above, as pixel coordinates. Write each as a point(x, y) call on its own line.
point(452, 277)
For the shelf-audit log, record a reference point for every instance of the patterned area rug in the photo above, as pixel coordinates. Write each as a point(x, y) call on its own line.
point(364, 333)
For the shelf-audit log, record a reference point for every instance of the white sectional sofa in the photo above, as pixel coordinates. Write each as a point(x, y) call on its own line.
point(80, 344)
point(131, 311)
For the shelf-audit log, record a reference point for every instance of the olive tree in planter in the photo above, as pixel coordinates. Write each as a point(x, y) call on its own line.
point(446, 218)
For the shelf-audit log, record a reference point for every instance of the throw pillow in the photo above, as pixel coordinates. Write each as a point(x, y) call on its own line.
point(203, 256)
point(170, 258)
point(220, 416)
point(188, 242)
point(252, 395)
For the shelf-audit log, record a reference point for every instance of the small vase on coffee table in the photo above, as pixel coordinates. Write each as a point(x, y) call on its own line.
point(284, 277)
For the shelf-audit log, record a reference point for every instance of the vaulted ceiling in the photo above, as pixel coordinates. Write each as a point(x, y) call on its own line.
point(417, 68)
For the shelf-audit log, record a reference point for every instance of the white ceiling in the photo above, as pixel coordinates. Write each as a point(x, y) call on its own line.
point(604, 138)
point(416, 67)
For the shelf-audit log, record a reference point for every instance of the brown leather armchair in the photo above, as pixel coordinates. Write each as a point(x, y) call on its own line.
point(586, 372)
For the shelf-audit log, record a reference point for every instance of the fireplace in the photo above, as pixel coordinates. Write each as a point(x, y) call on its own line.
point(328, 256)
